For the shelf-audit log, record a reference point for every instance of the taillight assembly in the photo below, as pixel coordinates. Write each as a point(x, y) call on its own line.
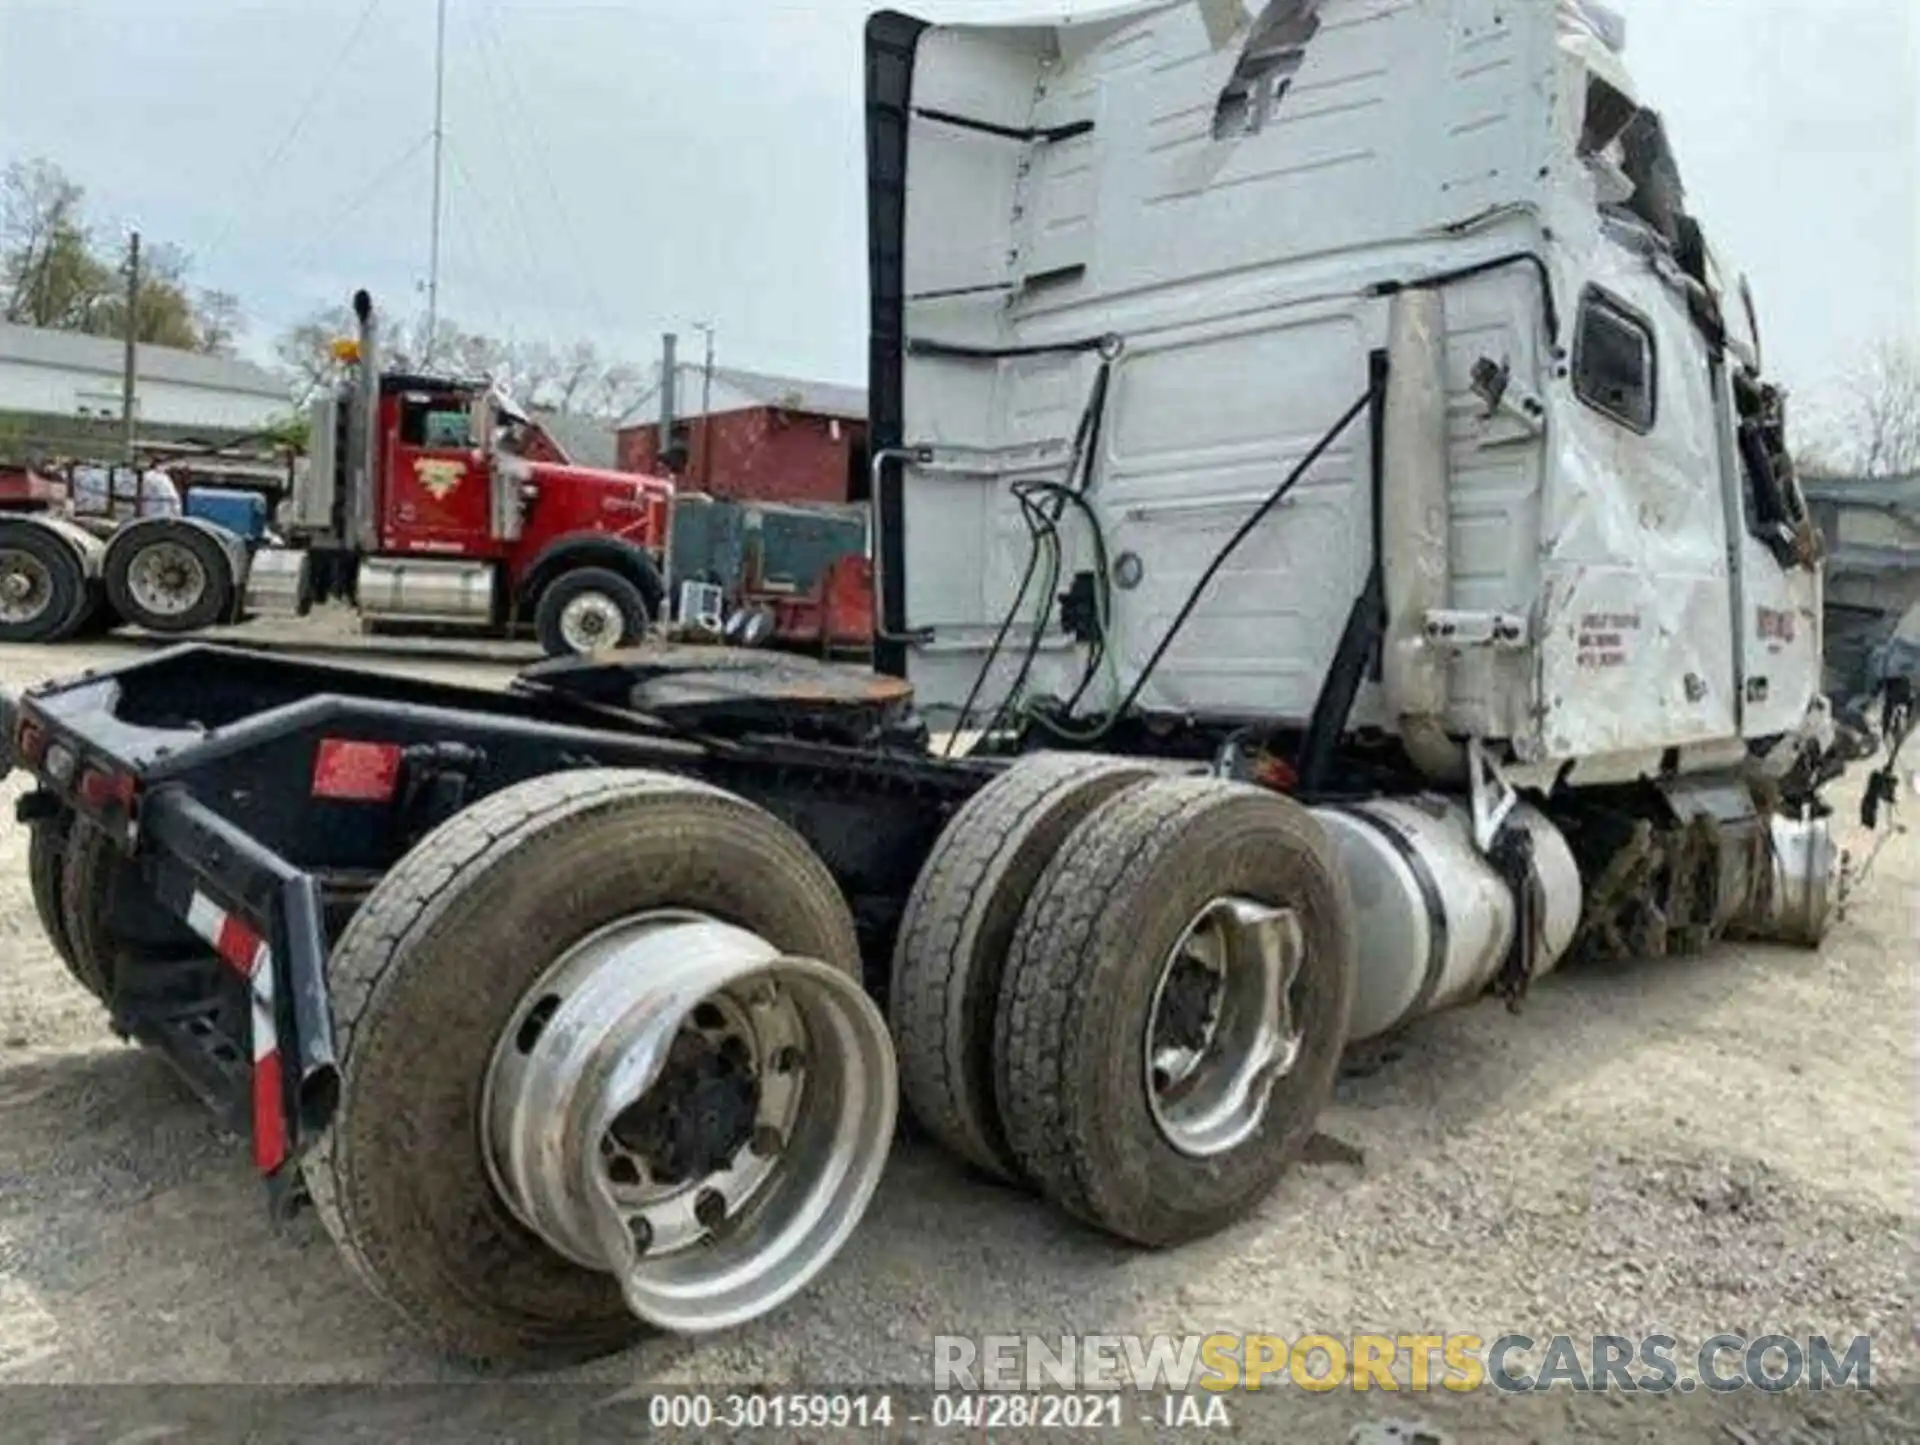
point(104, 790)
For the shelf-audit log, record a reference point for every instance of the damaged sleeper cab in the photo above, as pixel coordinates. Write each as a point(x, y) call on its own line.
point(1320, 460)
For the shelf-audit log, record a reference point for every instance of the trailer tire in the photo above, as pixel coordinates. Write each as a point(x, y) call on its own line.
point(580, 607)
point(111, 914)
point(959, 922)
point(1098, 943)
point(151, 571)
point(46, 861)
point(50, 580)
point(400, 1178)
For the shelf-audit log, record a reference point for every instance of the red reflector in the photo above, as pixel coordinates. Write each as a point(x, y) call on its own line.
point(101, 791)
point(238, 945)
point(354, 772)
point(269, 1121)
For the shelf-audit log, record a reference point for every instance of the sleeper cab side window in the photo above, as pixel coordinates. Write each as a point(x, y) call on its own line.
point(433, 424)
point(1613, 362)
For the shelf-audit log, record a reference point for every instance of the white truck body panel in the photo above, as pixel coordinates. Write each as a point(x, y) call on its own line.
point(1234, 244)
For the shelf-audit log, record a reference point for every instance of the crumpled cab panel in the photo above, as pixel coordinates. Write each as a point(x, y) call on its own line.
point(1151, 257)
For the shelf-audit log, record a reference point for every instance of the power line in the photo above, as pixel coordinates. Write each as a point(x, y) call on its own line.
point(465, 177)
point(536, 271)
point(594, 298)
point(299, 125)
point(340, 214)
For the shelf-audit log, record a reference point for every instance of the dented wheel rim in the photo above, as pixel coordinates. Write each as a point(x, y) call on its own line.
point(26, 586)
point(592, 621)
point(677, 1103)
point(166, 579)
point(1223, 1026)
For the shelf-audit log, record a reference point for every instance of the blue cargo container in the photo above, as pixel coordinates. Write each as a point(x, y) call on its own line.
point(242, 513)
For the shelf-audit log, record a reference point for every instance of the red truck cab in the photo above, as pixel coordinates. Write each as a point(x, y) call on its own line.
point(440, 444)
point(434, 500)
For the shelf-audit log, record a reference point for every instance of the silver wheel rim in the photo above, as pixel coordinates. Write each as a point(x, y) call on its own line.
point(1223, 1028)
point(678, 1104)
point(166, 579)
point(591, 621)
point(26, 586)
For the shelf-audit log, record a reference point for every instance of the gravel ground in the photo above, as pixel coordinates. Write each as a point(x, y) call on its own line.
point(1689, 1147)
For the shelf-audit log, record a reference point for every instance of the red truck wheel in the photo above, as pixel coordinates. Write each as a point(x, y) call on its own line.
point(170, 576)
point(42, 585)
point(590, 610)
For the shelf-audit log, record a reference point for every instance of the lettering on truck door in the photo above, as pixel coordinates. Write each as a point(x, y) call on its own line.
point(1637, 643)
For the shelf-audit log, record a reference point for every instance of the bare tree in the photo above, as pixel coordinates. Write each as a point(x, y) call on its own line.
point(1875, 431)
point(305, 352)
point(571, 381)
point(221, 321)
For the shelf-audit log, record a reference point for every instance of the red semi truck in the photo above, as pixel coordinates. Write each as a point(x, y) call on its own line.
point(424, 501)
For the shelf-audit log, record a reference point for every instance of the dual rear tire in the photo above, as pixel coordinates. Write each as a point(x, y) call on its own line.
point(1127, 991)
point(174, 575)
point(468, 980)
point(1029, 982)
point(48, 592)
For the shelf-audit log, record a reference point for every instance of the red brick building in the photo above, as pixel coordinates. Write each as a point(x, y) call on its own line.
point(757, 438)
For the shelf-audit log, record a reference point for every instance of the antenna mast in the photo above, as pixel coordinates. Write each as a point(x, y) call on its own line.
point(439, 141)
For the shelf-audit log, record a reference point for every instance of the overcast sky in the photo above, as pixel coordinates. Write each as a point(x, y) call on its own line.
point(621, 167)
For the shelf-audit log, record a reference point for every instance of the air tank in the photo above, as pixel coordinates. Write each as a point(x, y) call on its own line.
point(1435, 919)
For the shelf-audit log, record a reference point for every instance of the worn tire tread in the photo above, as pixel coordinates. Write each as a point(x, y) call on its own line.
point(403, 914)
point(946, 974)
point(1037, 1054)
point(46, 863)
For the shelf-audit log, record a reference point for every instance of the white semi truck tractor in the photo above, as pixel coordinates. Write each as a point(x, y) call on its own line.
point(1337, 558)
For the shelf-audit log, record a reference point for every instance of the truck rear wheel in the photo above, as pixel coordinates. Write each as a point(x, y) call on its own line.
point(953, 940)
point(170, 577)
point(46, 859)
point(606, 1064)
point(111, 915)
point(1174, 1007)
point(42, 585)
point(589, 610)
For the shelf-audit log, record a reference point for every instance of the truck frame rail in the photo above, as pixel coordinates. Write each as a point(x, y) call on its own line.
point(168, 757)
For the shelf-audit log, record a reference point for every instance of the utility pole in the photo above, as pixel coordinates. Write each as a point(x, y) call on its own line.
point(669, 375)
point(439, 143)
point(133, 331)
point(705, 328)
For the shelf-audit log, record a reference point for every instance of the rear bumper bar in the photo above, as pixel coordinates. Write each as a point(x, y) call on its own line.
point(263, 917)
